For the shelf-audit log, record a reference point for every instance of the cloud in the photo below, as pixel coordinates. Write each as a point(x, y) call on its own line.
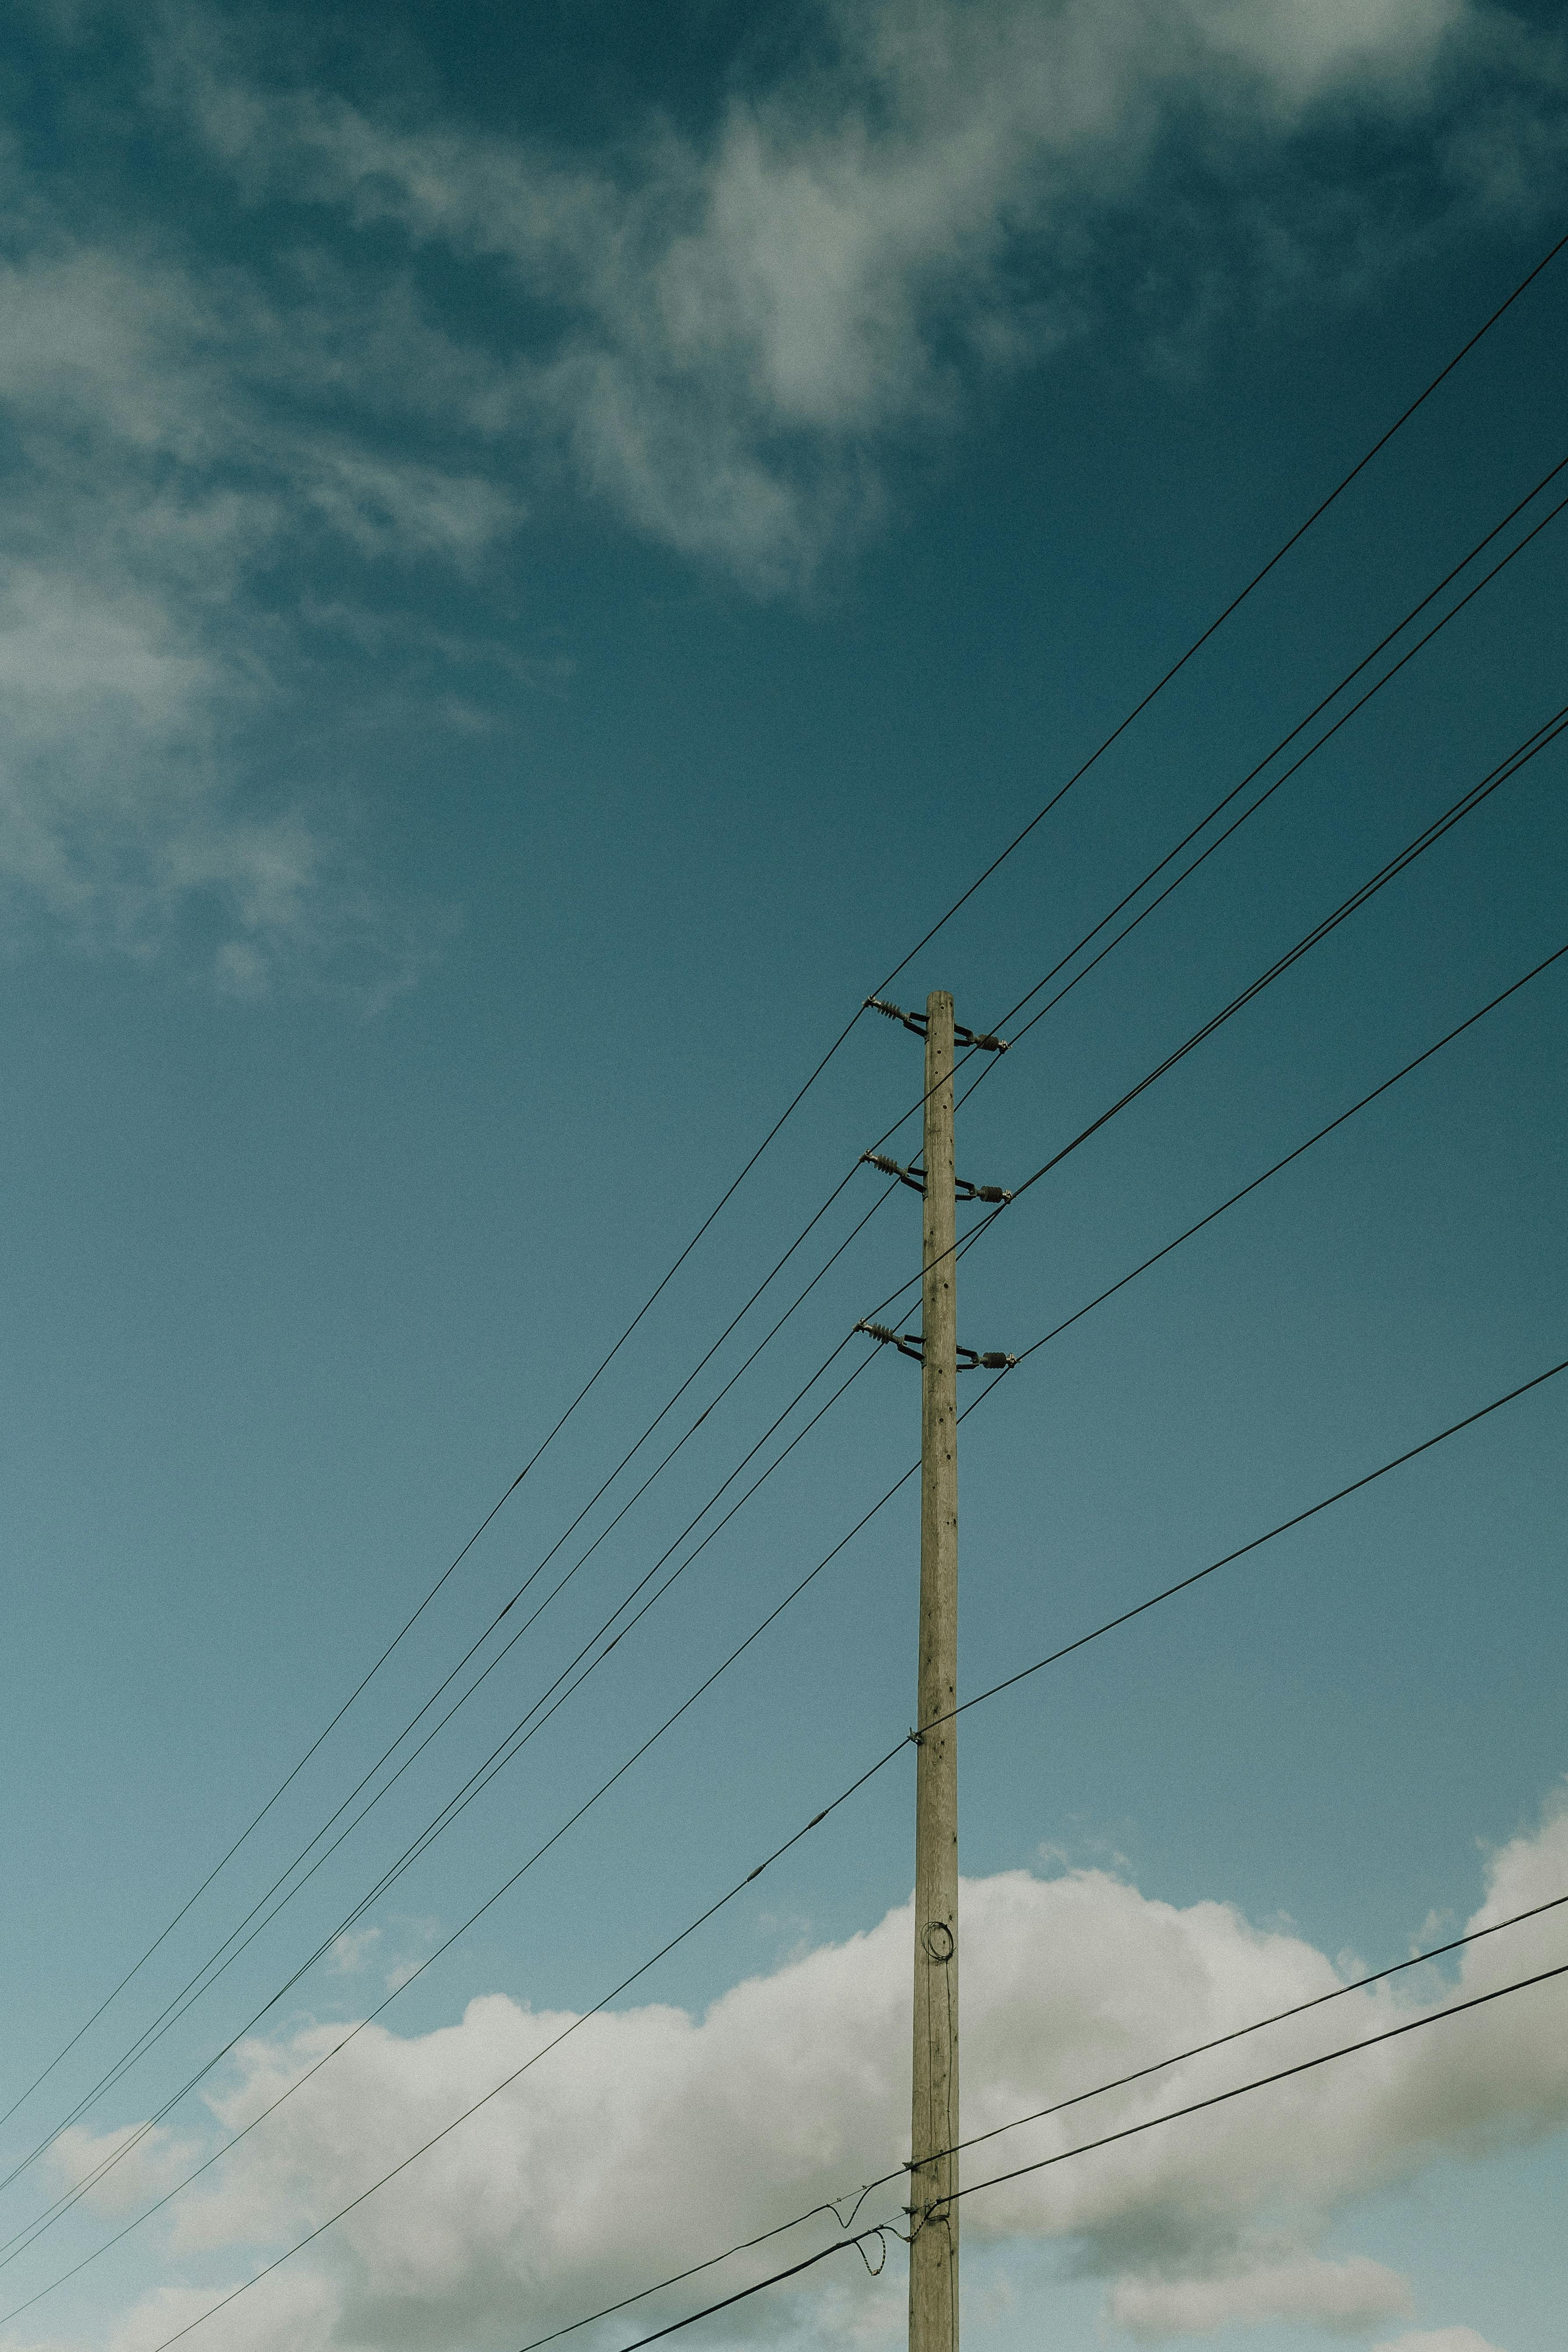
point(1335, 2296)
point(1439, 2339)
point(351, 1950)
point(384, 336)
point(154, 2164)
point(651, 2137)
point(942, 190)
point(137, 676)
point(298, 2312)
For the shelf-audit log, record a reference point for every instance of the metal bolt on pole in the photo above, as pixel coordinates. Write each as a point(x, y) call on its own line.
point(933, 2219)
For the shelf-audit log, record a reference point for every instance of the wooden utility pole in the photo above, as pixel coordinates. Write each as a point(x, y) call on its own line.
point(933, 2177)
point(933, 2130)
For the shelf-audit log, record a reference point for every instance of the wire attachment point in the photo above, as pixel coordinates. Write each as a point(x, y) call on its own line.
point(915, 1179)
point(909, 1343)
point(980, 1039)
point(906, 1344)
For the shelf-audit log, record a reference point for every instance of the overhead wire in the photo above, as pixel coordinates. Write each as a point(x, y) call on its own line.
point(1237, 602)
point(882, 2230)
point(1510, 765)
point(1538, 740)
point(1344, 720)
point(499, 1757)
point(215, 1965)
point(777, 1268)
point(1195, 646)
point(1284, 1527)
point(1339, 1120)
point(989, 1064)
point(507, 1884)
point(861, 1781)
point(151, 2031)
point(1330, 1127)
point(856, 2197)
point(1524, 1388)
point(1433, 832)
point(1266, 2081)
point(494, 1763)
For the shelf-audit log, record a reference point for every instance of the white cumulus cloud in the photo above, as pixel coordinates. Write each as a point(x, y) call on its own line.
point(1347, 2294)
point(651, 2138)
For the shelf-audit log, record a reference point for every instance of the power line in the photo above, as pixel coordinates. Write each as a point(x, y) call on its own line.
point(293, 1774)
point(1265, 2082)
point(1089, 2148)
point(216, 1964)
point(194, 1987)
point(501, 1756)
point(1431, 833)
point(179, 2005)
point(744, 2293)
point(182, 2001)
point(1257, 581)
point(1298, 1519)
point(1509, 766)
point(1261, 2024)
point(1086, 938)
point(509, 1882)
point(496, 2090)
point(1139, 708)
point(1425, 1055)
point(1355, 1486)
point(1323, 703)
point(856, 2198)
point(1344, 720)
point(1506, 769)
point(1243, 1193)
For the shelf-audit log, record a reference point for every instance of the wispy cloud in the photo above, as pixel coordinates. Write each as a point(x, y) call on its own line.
point(722, 339)
point(137, 672)
point(941, 193)
point(352, 1949)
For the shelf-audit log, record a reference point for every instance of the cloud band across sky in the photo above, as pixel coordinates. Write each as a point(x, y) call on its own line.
point(652, 2137)
point(255, 426)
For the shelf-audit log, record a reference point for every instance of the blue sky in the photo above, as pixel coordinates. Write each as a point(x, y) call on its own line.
point(545, 548)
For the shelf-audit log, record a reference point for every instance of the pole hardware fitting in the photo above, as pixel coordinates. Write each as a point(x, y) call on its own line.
point(915, 1179)
point(938, 1942)
point(980, 1038)
point(970, 1359)
point(904, 1341)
